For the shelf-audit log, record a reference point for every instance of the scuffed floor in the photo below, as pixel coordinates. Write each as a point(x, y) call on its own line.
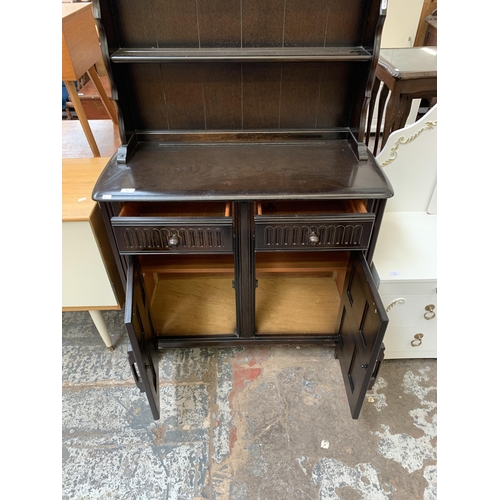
point(263, 423)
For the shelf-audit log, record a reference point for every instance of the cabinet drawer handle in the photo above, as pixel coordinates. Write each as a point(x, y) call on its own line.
point(418, 340)
point(173, 241)
point(313, 239)
point(430, 311)
point(393, 303)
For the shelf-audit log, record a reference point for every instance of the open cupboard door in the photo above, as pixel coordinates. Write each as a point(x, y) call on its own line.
point(362, 324)
point(143, 350)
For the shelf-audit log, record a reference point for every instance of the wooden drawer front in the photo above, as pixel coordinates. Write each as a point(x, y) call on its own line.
point(398, 342)
point(160, 236)
point(307, 234)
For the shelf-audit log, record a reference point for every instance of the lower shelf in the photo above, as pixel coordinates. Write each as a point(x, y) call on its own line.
point(194, 306)
point(288, 305)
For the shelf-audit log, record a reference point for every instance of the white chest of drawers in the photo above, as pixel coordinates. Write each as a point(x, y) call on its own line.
point(405, 261)
point(405, 258)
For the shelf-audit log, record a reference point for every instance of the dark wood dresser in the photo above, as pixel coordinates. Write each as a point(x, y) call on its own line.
point(242, 205)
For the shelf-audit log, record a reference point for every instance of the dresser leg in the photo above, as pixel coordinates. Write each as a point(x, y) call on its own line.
point(98, 320)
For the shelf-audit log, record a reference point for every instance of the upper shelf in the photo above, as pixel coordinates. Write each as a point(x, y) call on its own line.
point(275, 54)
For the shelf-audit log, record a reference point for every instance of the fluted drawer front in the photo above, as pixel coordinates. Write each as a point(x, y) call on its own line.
point(309, 233)
point(162, 235)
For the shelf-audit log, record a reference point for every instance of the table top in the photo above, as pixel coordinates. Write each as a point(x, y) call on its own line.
point(407, 247)
point(80, 42)
point(79, 176)
point(409, 62)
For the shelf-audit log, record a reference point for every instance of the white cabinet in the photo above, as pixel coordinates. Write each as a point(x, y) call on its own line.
point(405, 257)
point(405, 260)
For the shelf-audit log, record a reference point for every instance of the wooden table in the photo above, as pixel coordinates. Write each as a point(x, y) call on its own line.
point(407, 73)
point(80, 52)
point(90, 280)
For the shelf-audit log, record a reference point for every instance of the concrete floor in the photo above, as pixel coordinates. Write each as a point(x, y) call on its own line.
point(241, 423)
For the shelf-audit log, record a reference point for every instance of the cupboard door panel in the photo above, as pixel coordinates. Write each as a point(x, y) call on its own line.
point(143, 356)
point(361, 325)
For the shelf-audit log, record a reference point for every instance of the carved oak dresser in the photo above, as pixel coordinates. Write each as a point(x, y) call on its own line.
point(242, 204)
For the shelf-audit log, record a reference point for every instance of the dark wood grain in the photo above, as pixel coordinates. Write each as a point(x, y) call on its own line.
point(262, 23)
point(305, 23)
point(134, 23)
point(176, 23)
point(244, 171)
point(345, 26)
point(245, 268)
point(300, 95)
point(146, 85)
point(184, 95)
point(222, 90)
point(219, 23)
point(261, 95)
point(337, 100)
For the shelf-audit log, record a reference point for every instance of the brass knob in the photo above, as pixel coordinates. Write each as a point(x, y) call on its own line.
point(430, 311)
point(418, 340)
point(173, 241)
point(313, 239)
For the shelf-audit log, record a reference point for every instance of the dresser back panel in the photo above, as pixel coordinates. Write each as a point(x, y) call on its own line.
point(241, 96)
point(241, 23)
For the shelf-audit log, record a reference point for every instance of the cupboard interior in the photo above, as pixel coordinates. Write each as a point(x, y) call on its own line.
point(297, 293)
point(191, 295)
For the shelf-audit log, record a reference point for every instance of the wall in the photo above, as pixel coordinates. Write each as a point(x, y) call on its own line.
point(401, 23)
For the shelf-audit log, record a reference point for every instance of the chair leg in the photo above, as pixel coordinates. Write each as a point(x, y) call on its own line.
point(80, 112)
point(108, 104)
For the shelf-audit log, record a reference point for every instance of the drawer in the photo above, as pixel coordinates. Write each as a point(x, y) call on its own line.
point(174, 227)
point(411, 309)
point(408, 288)
point(398, 342)
point(307, 225)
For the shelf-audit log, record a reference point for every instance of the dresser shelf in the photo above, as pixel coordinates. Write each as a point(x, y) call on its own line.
point(243, 54)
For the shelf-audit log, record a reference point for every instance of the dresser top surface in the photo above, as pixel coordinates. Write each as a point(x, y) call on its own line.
point(239, 171)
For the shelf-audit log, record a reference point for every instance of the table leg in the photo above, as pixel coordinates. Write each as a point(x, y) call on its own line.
point(80, 112)
point(395, 106)
point(99, 323)
point(102, 93)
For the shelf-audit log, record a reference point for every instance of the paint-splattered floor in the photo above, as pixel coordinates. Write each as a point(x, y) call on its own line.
point(267, 423)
